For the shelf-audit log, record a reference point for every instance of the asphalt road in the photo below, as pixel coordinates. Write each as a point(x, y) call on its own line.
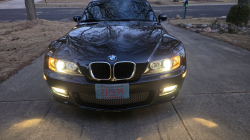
point(66, 14)
point(213, 103)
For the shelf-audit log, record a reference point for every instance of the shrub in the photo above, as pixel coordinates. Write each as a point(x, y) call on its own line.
point(238, 16)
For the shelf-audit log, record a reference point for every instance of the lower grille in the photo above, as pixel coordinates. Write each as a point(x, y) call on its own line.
point(100, 71)
point(133, 98)
point(124, 70)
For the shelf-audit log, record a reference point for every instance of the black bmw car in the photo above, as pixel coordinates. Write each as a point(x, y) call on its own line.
point(117, 57)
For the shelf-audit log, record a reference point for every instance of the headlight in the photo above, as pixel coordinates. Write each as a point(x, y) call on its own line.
point(164, 65)
point(64, 67)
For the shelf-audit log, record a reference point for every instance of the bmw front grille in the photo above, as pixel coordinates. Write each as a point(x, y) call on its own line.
point(119, 71)
point(100, 70)
point(124, 70)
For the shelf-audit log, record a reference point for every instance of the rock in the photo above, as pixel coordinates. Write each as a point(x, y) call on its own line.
point(223, 26)
point(177, 16)
point(198, 26)
point(188, 25)
point(193, 29)
point(232, 28)
point(209, 25)
point(193, 26)
point(214, 21)
point(208, 29)
point(240, 29)
point(214, 31)
point(204, 25)
point(246, 33)
point(198, 30)
point(182, 25)
point(215, 27)
point(221, 30)
point(179, 24)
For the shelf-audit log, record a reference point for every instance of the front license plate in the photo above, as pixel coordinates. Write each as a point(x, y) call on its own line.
point(112, 91)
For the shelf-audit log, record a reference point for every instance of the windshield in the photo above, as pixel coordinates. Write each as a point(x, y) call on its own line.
point(119, 11)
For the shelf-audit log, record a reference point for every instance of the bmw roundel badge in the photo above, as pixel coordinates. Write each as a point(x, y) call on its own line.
point(112, 58)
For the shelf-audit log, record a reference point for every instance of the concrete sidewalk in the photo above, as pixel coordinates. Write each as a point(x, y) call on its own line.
point(14, 4)
point(213, 103)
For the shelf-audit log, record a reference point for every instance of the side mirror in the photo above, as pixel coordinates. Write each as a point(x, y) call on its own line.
point(162, 18)
point(77, 18)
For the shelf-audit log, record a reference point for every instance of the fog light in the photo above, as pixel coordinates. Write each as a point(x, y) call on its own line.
point(168, 90)
point(60, 91)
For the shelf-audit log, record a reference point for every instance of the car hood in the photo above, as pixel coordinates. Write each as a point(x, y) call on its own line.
point(139, 42)
point(127, 43)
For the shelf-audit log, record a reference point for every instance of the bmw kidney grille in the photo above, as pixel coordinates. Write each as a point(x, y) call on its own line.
point(120, 70)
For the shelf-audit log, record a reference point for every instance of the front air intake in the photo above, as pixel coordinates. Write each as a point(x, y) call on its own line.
point(124, 70)
point(133, 98)
point(100, 70)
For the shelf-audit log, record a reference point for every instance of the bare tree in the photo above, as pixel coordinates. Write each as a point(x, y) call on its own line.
point(30, 9)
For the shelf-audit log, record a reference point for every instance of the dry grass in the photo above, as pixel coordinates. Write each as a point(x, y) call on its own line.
point(4, 0)
point(156, 1)
point(70, 5)
point(196, 21)
point(22, 42)
point(84, 3)
point(170, 2)
point(239, 40)
point(52, 1)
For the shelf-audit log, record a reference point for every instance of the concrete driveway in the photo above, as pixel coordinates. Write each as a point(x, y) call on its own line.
point(213, 103)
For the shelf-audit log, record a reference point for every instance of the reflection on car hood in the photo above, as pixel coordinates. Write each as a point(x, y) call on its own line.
point(126, 42)
point(138, 42)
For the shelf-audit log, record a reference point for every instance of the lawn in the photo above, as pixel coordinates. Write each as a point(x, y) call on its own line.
point(22, 42)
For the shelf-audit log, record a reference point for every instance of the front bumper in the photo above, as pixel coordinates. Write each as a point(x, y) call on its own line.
point(154, 84)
